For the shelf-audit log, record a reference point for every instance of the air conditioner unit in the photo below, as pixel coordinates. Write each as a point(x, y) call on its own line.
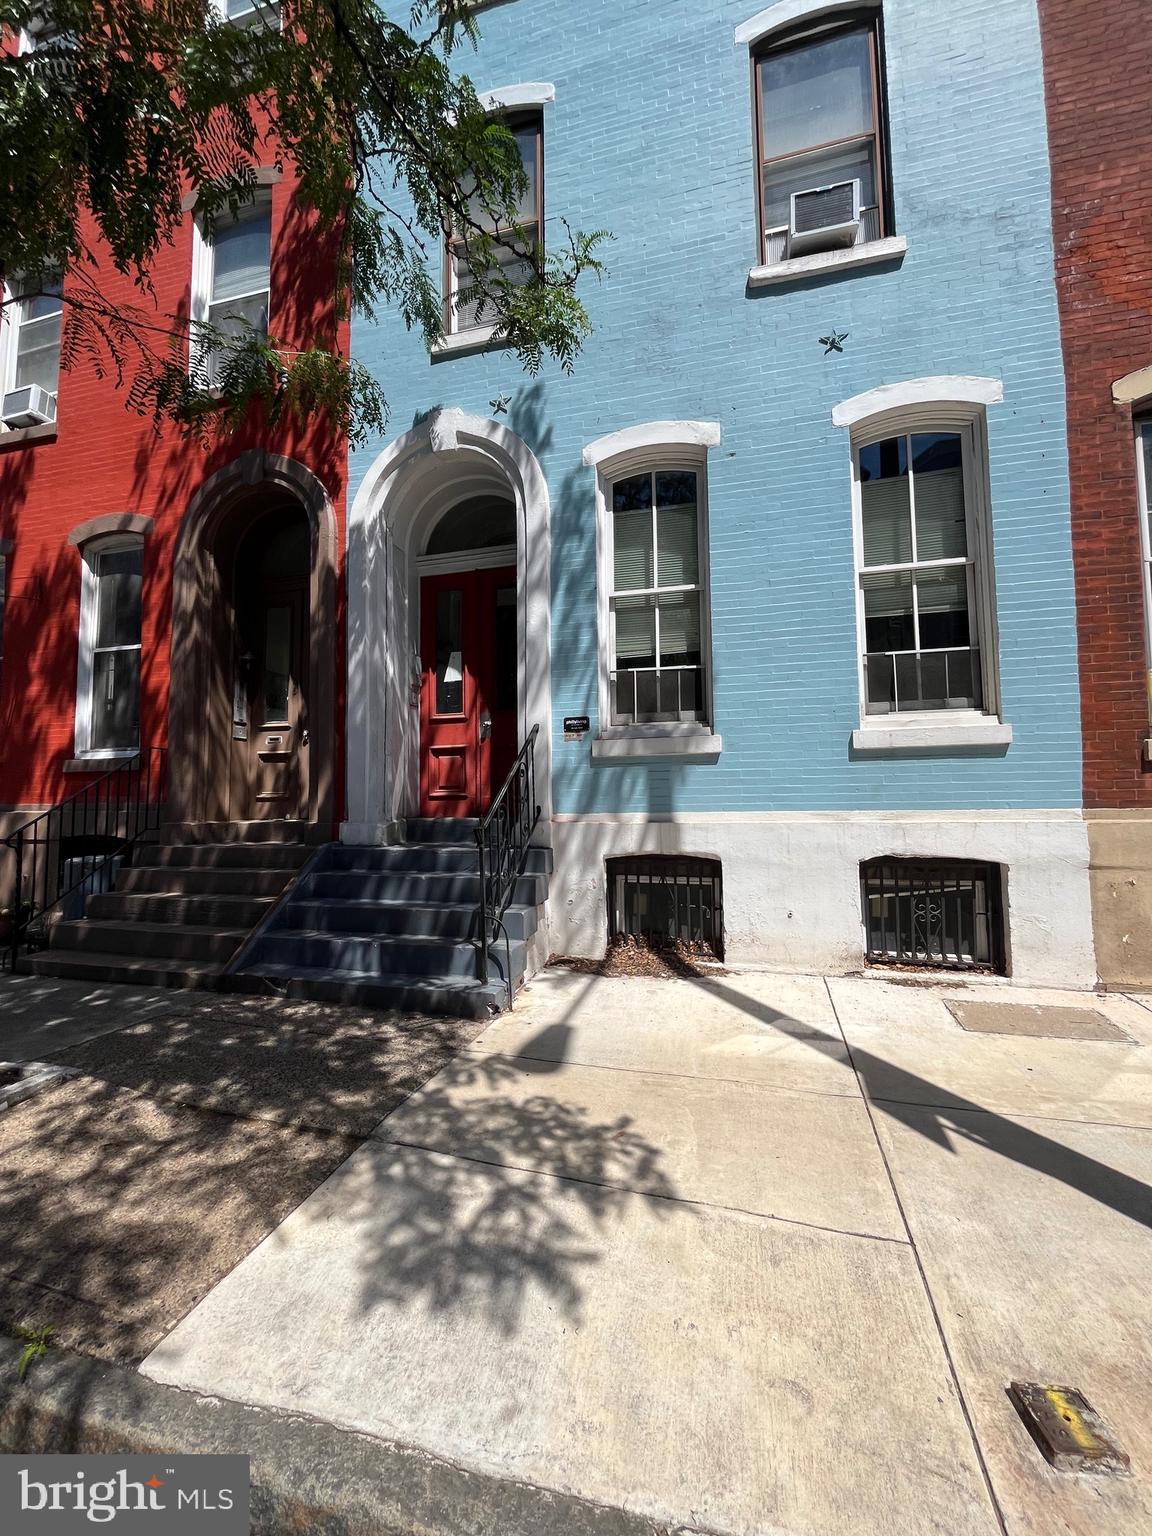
point(824, 218)
point(31, 406)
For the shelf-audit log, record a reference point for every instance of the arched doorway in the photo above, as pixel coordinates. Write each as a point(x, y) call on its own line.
point(446, 476)
point(252, 703)
point(468, 650)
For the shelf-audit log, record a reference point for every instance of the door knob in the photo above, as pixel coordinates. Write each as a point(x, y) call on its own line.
point(485, 726)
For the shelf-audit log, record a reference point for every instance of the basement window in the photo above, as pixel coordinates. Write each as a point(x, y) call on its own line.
point(928, 912)
point(667, 900)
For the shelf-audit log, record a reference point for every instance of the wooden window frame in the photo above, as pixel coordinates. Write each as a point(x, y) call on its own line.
point(204, 275)
point(1143, 426)
point(978, 561)
point(622, 467)
point(512, 120)
point(869, 20)
point(86, 661)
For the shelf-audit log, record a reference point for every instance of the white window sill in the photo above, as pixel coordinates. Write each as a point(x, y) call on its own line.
point(101, 762)
point(42, 432)
point(464, 341)
point(822, 263)
point(699, 744)
point(953, 736)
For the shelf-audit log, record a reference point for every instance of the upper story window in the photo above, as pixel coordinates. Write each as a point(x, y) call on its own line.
point(819, 124)
point(30, 350)
point(1144, 482)
point(463, 311)
point(232, 276)
point(108, 684)
point(249, 13)
point(920, 585)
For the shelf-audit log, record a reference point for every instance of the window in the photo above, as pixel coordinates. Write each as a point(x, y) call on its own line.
point(667, 901)
point(928, 912)
point(1144, 482)
point(655, 606)
point(918, 574)
point(819, 136)
point(31, 355)
point(232, 277)
point(248, 13)
point(463, 313)
point(108, 688)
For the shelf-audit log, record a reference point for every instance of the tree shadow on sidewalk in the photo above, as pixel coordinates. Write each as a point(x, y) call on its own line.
point(945, 1117)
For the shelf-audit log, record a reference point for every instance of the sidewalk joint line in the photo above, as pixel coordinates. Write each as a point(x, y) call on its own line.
point(687, 1077)
point(961, 1398)
point(641, 1194)
point(1010, 1114)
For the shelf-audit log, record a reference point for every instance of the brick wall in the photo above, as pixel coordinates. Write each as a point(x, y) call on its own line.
point(1098, 64)
point(107, 459)
point(650, 136)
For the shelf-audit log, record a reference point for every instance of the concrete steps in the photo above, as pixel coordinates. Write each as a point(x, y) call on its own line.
point(180, 911)
point(396, 927)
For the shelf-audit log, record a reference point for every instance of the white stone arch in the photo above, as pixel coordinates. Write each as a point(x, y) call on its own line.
point(447, 456)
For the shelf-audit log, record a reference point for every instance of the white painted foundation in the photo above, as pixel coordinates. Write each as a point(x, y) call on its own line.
point(791, 881)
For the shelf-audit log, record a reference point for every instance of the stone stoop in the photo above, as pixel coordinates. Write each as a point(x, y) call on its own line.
point(181, 909)
point(395, 927)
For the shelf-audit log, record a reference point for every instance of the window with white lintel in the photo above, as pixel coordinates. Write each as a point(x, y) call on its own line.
point(654, 602)
point(925, 595)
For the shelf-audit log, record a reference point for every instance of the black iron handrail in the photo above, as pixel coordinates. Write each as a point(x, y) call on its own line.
point(503, 838)
point(97, 824)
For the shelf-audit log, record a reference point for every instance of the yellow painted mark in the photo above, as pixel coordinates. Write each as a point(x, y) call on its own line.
point(1074, 1421)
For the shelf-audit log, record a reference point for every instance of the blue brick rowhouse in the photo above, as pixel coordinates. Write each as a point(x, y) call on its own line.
point(793, 537)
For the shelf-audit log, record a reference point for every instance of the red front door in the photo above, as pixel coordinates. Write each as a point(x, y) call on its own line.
point(468, 643)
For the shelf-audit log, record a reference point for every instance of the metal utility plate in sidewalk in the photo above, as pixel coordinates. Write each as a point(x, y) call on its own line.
point(1039, 1020)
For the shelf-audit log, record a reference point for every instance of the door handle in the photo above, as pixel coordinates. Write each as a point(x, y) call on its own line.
point(485, 726)
point(303, 738)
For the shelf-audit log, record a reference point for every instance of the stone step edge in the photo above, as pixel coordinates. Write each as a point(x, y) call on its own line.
point(306, 1474)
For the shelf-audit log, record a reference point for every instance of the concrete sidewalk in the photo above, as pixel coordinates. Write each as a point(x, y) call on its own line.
point(755, 1254)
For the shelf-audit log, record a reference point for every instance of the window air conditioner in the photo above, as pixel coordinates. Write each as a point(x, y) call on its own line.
point(31, 406)
point(824, 218)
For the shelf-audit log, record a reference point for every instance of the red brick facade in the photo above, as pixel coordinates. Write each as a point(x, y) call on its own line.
point(104, 459)
point(1098, 69)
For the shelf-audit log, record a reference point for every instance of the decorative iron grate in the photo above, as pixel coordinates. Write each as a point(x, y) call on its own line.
point(667, 899)
point(932, 913)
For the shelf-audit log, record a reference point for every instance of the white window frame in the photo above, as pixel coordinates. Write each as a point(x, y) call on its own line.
point(86, 663)
point(203, 276)
point(968, 420)
point(10, 344)
point(260, 13)
point(1143, 425)
point(636, 451)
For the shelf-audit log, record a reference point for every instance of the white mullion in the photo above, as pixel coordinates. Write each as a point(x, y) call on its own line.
point(911, 495)
point(912, 565)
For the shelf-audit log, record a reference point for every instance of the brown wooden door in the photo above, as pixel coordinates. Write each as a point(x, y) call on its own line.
point(468, 702)
point(270, 757)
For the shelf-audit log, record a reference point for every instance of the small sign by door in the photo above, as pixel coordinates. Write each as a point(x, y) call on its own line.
point(575, 727)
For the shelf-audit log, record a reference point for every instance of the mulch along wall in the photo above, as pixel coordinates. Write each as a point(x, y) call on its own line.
point(106, 459)
point(1098, 64)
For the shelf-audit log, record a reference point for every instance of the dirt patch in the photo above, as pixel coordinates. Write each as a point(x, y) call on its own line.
point(630, 956)
point(117, 1213)
point(315, 1065)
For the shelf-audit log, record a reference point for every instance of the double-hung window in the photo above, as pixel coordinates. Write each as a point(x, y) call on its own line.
point(464, 310)
point(108, 690)
point(1144, 484)
point(31, 352)
point(251, 13)
point(819, 128)
point(232, 278)
point(656, 604)
point(919, 583)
